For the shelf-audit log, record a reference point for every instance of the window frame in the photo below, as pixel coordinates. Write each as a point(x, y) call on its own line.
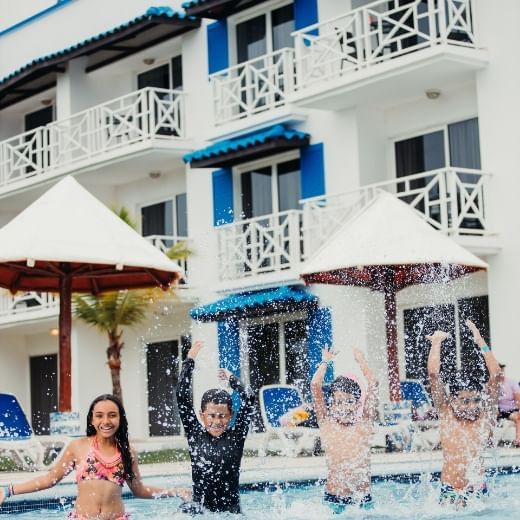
point(281, 319)
point(153, 202)
point(427, 130)
point(159, 63)
point(266, 162)
point(264, 9)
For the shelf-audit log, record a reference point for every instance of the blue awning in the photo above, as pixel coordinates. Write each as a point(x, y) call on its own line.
point(157, 24)
point(257, 303)
point(246, 148)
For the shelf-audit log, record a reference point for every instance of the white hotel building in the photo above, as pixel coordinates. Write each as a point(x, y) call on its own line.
point(254, 129)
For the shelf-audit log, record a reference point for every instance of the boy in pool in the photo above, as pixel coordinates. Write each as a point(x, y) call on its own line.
point(215, 450)
point(467, 414)
point(104, 461)
point(345, 432)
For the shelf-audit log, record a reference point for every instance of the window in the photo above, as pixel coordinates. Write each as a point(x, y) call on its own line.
point(456, 145)
point(270, 189)
point(458, 350)
point(167, 76)
point(264, 33)
point(165, 218)
point(274, 351)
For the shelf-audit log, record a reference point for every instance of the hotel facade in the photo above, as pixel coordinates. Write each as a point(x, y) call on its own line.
point(254, 130)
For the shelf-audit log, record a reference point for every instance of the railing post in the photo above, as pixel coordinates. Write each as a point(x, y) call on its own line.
point(432, 19)
point(363, 24)
point(295, 238)
point(445, 198)
point(441, 18)
point(298, 63)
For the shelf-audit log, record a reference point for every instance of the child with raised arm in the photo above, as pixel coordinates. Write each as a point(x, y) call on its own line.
point(345, 432)
point(467, 414)
point(104, 461)
point(215, 448)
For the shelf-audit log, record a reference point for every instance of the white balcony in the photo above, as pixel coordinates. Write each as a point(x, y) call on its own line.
point(31, 305)
point(270, 243)
point(412, 47)
point(450, 200)
point(252, 87)
point(123, 128)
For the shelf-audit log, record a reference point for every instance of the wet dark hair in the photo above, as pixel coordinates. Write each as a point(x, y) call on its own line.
point(215, 396)
point(121, 434)
point(461, 382)
point(344, 384)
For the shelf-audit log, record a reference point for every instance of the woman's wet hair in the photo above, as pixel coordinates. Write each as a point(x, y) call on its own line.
point(215, 396)
point(345, 384)
point(121, 435)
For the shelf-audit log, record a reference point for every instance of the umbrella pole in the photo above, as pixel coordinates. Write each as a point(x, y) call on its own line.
point(391, 341)
point(64, 348)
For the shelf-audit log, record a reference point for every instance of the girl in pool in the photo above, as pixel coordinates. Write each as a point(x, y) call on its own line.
point(104, 461)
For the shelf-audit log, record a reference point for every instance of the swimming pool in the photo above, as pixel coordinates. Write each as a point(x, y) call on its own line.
point(394, 499)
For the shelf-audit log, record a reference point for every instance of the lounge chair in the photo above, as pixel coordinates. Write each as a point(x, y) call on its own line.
point(17, 440)
point(275, 401)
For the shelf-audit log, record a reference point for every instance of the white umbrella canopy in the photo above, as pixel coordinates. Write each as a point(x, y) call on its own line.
point(388, 247)
point(68, 241)
point(388, 232)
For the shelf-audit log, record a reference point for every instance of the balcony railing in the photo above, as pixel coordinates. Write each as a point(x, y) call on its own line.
point(259, 245)
point(253, 86)
point(374, 34)
point(149, 113)
point(30, 304)
point(165, 243)
point(451, 200)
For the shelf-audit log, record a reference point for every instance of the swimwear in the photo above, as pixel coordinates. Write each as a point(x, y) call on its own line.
point(506, 415)
point(215, 461)
point(338, 504)
point(451, 495)
point(72, 515)
point(96, 467)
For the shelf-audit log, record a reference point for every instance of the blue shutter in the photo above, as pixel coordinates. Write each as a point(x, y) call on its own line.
point(319, 335)
point(312, 171)
point(222, 197)
point(217, 46)
point(305, 13)
point(229, 346)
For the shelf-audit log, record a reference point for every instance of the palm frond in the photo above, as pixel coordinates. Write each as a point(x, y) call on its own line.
point(179, 251)
point(124, 214)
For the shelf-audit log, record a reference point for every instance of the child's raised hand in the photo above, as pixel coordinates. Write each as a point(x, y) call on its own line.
point(328, 354)
point(359, 357)
point(195, 349)
point(473, 328)
point(438, 336)
point(224, 374)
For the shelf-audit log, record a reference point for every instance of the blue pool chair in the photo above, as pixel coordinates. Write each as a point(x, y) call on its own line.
point(17, 440)
point(275, 401)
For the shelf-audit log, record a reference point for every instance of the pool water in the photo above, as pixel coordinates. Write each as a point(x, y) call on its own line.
point(393, 500)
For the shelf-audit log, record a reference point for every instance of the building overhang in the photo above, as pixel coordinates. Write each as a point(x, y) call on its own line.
point(155, 26)
point(224, 154)
point(217, 9)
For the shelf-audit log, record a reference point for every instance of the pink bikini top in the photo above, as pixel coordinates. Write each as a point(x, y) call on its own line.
point(96, 467)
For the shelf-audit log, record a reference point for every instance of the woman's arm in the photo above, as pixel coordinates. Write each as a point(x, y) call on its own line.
point(61, 468)
point(320, 407)
point(141, 490)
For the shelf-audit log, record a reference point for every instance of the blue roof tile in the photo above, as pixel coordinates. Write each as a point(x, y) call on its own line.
point(222, 148)
point(248, 302)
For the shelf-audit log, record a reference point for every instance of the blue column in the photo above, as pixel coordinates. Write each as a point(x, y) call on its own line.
point(319, 324)
point(222, 197)
point(229, 345)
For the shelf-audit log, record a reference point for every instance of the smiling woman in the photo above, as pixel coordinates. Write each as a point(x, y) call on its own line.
point(104, 461)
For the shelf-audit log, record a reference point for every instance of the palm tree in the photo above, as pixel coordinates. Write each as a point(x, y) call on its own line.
point(110, 311)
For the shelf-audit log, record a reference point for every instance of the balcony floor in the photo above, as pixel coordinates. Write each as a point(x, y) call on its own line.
point(395, 80)
point(119, 166)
